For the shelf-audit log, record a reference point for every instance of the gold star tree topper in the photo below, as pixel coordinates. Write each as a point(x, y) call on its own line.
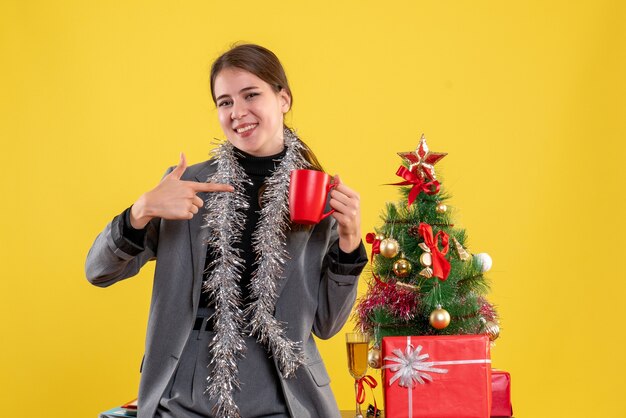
point(422, 160)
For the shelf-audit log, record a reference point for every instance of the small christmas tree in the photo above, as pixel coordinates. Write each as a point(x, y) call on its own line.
point(424, 280)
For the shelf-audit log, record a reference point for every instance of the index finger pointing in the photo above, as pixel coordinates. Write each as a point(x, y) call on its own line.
point(211, 187)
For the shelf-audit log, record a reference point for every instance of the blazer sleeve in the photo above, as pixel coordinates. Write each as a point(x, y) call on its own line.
point(338, 288)
point(114, 257)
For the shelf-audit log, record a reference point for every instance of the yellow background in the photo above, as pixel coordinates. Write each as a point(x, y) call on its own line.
point(98, 98)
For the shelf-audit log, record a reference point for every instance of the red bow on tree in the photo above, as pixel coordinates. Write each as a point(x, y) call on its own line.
point(441, 266)
point(419, 185)
point(371, 239)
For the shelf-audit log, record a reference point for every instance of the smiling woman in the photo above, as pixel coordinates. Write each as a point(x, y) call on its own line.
point(236, 287)
point(251, 113)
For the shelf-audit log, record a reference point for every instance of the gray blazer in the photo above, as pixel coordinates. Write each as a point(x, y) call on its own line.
point(316, 295)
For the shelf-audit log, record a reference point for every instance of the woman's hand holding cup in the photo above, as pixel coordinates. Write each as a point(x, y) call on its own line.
point(346, 203)
point(172, 198)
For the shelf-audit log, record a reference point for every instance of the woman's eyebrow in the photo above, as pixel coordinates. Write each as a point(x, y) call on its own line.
point(240, 91)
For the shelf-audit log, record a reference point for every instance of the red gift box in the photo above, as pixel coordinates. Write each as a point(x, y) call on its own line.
point(501, 394)
point(437, 376)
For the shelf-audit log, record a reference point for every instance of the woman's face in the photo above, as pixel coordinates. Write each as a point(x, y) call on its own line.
point(250, 112)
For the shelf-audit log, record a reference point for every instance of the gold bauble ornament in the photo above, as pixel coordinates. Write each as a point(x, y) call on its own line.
point(379, 237)
point(492, 329)
point(439, 318)
point(374, 358)
point(441, 208)
point(402, 268)
point(389, 247)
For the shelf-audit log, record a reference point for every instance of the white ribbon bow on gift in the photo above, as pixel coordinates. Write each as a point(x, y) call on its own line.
point(411, 367)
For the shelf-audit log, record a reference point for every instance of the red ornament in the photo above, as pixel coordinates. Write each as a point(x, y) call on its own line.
point(375, 240)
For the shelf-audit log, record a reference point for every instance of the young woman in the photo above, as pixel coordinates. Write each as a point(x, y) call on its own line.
point(238, 291)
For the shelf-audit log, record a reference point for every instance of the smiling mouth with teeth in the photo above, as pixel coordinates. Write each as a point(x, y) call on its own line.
point(247, 128)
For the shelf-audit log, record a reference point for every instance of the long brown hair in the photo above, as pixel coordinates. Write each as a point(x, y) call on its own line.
point(264, 64)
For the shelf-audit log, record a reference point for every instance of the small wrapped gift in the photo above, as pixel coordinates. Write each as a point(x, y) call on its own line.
point(501, 394)
point(437, 376)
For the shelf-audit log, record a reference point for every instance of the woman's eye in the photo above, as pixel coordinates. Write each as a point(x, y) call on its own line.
point(252, 95)
point(223, 103)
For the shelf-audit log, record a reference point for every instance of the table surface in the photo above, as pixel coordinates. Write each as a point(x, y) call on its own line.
point(351, 414)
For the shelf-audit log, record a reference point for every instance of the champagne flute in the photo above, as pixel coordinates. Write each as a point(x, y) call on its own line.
point(357, 344)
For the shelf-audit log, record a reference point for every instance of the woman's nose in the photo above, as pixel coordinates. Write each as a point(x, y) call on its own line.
point(238, 111)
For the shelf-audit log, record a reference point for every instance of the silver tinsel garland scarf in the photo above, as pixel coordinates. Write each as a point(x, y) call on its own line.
point(226, 221)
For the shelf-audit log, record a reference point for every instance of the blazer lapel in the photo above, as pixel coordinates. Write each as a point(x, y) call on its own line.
point(198, 235)
point(295, 242)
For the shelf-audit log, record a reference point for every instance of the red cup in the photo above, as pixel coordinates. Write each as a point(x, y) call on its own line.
point(308, 190)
